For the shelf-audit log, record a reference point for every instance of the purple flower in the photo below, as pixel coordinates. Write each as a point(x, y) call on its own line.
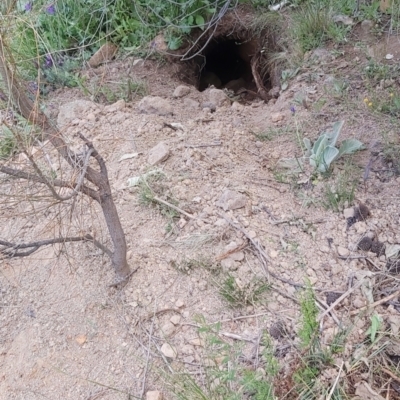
point(51, 9)
point(293, 110)
point(28, 6)
point(48, 61)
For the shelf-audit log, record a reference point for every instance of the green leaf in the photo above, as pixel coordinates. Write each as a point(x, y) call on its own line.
point(349, 146)
point(174, 43)
point(328, 156)
point(373, 329)
point(199, 21)
point(333, 135)
point(319, 147)
point(307, 143)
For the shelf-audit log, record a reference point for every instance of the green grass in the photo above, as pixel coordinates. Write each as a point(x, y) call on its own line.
point(340, 193)
point(240, 295)
point(225, 376)
point(312, 26)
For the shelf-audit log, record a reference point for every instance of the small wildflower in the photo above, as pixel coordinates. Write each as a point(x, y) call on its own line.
point(366, 100)
point(293, 110)
point(48, 61)
point(51, 9)
point(391, 95)
point(28, 6)
point(370, 104)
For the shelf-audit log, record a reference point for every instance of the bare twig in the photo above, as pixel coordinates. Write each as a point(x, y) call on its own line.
point(376, 303)
point(174, 207)
point(335, 383)
point(11, 249)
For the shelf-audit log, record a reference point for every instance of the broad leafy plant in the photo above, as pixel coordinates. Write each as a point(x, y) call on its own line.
point(323, 152)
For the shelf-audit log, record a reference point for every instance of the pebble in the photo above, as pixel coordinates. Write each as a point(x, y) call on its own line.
point(154, 395)
point(181, 91)
point(179, 303)
point(175, 319)
point(168, 329)
point(158, 154)
point(342, 251)
point(169, 351)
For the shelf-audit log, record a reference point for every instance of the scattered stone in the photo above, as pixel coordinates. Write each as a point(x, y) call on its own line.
point(154, 395)
point(343, 19)
point(117, 106)
point(197, 342)
point(277, 117)
point(211, 106)
point(81, 339)
point(168, 329)
point(159, 43)
point(203, 285)
point(104, 54)
point(191, 103)
point(181, 91)
point(158, 154)
point(231, 200)
point(228, 264)
point(365, 243)
point(342, 251)
point(179, 303)
point(73, 110)
point(169, 351)
point(155, 105)
point(348, 212)
point(217, 97)
point(175, 319)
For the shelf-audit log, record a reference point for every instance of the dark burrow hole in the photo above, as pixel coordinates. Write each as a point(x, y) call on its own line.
point(226, 63)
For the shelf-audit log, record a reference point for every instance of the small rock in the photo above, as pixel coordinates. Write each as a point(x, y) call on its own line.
point(155, 105)
point(190, 103)
point(228, 264)
point(210, 105)
point(117, 106)
point(231, 200)
point(181, 91)
point(325, 249)
point(168, 329)
point(361, 213)
point(159, 43)
point(237, 256)
point(175, 319)
point(179, 303)
point(348, 212)
point(331, 297)
point(218, 97)
point(154, 395)
point(168, 351)
point(342, 251)
point(187, 349)
point(81, 339)
point(202, 285)
point(158, 153)
point(277, 117)
point(104, 54)
point(278, 330)
point(273, 253)
point(197, 342)
point(365, 243)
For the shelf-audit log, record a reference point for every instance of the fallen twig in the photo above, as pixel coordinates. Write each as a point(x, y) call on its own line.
point(174, 207)
point(376, 303)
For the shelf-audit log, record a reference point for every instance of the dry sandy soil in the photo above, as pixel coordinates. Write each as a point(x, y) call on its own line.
point(65, 334)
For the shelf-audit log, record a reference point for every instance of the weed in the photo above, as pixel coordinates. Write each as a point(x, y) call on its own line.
point(150, 188)
point(340, 194)
point(308, 332)
point(313, 25)
point(186, 265)
point(270, 133)
point(8, 143)
point(240, 295)
point(391, 153)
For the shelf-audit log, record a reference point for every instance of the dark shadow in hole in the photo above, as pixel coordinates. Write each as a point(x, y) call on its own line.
point(226, 64)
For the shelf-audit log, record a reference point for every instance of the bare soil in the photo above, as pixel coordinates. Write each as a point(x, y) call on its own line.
point(64, 334)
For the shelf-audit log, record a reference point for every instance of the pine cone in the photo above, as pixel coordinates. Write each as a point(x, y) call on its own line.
point(365, 243)
point(278, 330)
point(361, 213)
point(331, 297)
point(378, 248)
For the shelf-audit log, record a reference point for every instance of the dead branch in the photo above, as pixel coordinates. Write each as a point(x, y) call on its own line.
point(257, 78)
point(11, 250)
point(31, 112)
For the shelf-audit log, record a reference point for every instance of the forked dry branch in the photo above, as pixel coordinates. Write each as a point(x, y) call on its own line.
point(89, 180)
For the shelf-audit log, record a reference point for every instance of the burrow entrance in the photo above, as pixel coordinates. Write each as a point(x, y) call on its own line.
point(234, 58)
